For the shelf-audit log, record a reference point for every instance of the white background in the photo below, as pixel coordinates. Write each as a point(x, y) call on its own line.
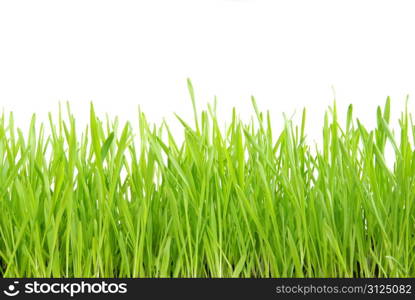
point(289, 54)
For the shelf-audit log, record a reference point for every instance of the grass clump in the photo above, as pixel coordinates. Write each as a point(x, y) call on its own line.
point(239, 202)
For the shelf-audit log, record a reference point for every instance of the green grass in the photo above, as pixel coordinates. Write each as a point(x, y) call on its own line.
point(241, 202)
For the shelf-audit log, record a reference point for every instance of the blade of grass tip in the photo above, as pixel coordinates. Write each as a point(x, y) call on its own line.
point(349, 119)
point(391, 138)
point(106, 146)
point(95, 135)
point(192, 97)
point(257, 113)
point(386, 110)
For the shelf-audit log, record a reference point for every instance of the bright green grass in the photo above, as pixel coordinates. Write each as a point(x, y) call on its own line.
point(108, 201)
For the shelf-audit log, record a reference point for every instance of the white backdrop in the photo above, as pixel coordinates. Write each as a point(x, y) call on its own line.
point(289, 54)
